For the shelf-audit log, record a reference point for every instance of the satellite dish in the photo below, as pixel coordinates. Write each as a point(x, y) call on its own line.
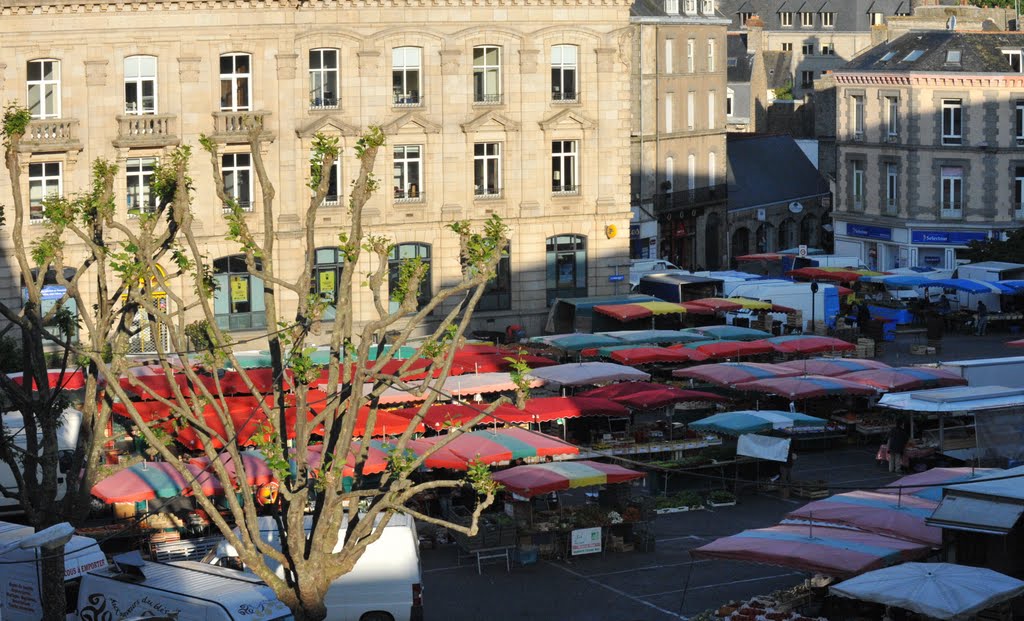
point(796, 207)
point(951, 23)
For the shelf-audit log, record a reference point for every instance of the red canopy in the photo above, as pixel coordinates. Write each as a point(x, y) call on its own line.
point(734, 349)
point(731, 373)
point(153, 479)
point(376, 458)
point(231, 383)
point(906, 378)
point(443, 415)
point(833, 367)
point(533, 479)
point(71, 380)
point(807, 387)
point(652, 355)
point(816, 273)
point(648, 395)
point(808, 344)
point(543, 409)
point(1017, 343)
point(503, 445)
point(256, 470)
point(496, 362)
point(719, 305)
point(387, 423)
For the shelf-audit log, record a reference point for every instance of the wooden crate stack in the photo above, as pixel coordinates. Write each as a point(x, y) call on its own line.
point(865, 348)
point(795, 320)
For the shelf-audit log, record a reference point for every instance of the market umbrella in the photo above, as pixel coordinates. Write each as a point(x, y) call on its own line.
point(807, 387)
point(644, 310)
point(256, 470)
point(646, 395)
point(588, 373)
point(534, 479)
point(729, 333)
point(822, 549)
point(575, 342)
point(754, 421)
point(929, 484)
point(937, 590)
point(833, 367)
point(636, 356)
point(153, 479)
point(66, 379)
point(734, 349)
point(731, 373)
point(376, 460)
point(442, 415)
point(644, 337)
point(808, 344)
point(500, 446)
point(883, 514)
point(899, 379)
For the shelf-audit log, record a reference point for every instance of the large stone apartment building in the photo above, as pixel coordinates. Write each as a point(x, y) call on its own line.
point(520, 109)
point(930, 147)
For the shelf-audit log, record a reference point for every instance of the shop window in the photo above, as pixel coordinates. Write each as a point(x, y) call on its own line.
point(566, 267)
point(409, 252)
point(238, 298)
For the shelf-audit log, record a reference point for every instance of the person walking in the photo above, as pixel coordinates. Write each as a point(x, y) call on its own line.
point(981, 322)
point(897, 443)
point(786, 471)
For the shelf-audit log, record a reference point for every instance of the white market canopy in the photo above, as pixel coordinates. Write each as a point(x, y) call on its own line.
point(956, 399)
point(588, 373)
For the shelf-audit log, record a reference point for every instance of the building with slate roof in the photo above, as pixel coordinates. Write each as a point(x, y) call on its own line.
point(678, 131)
point(777, 198)
point(753, 77)
point(930, 147)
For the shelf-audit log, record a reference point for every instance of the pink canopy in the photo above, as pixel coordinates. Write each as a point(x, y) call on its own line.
point(807, 387)
point(874, 512)
point(906, 378)
point(833, 367)
point(533, 479)
point(499, 361)
point(588, 374)
point(464, 385)
point(647, 395)
point(832, 551)
point(653, 355)
point(928, 484)
point(376, 458)
point(538, 410)
point(808, 344)
point(153, 479)
point(500, 446)
point(257, 472)
point(443, 415)
point(731, 373)
point(734, 349)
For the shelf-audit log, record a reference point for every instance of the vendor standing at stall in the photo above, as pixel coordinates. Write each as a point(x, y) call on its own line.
point(897, 443)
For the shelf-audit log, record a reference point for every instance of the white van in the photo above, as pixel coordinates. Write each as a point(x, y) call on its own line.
point(67, 440)
point(20, 587)
point(182, 590)
point(641, 267)
point(386, 583)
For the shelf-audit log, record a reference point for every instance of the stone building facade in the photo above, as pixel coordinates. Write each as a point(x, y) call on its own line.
point(930, 132)
point(517, 109)
point(678, 132)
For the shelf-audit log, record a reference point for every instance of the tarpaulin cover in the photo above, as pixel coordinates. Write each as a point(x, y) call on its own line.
point(734, 349)
point(587, 373)
point(972, 286)
point(153, 479)
point(906, 378)
point(575, 342)
point(503, 445)
point(647, 395)
point(645, 337)
point(731, 373)
point(730, 333)
point(833, 367)
point(828, 550)
point(884, 514)
point(808, 344)
point(807, 387)
point(719, 305)
point(645, 310)
point(543, 409)
point(497, 362)
point(763, 447)
point(654, 355)
point(929, 484)
point(533, 479)
point(71, 380)
point(755, 421)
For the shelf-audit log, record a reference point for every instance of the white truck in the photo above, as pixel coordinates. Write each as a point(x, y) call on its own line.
point(386, 583)
point(67, 439)
point(822, 306)
point(987, 271)
point(1008, 371)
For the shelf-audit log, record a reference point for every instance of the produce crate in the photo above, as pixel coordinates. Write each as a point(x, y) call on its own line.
point(813, 490)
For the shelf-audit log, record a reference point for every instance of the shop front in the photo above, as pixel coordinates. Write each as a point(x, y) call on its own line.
point(938, 248)
point(878, 247)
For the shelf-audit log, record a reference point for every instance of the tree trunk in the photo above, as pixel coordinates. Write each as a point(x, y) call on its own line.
point(52, 579)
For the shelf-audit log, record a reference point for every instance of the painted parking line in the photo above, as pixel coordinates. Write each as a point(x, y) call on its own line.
point(722, 584)
point(619, 592)
point(647, 568)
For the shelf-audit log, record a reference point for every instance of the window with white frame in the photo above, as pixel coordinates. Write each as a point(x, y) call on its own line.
point(952, 121)
point(333, 196)
point(563, 72)
point(707, 7)
point(712, 168)
point(140, 85)
point(44, 181)
point(487, 169)
point(406, 71)
point(744, 17)
point(951, 190)
point(407, 172)
point(786, 19)
point(857, 183)
point(690, 62)
point(828, 49)
point(892, 185)
point(711, 55)
point(892, 116)
point(235, 82)
point(807, 49)
point(691, 109)
point(44, 88)
point(691, 7)
point(140, 197)
point(1018, 191)
point(487, 74)
point(564, 167)
point(669, 61)
point(323, 78)
point(236, 170)
point(712, 109)
point(877, 19)
point(730, 97)
point(828, 19)
point(672, 7)
point(857, 118)
point(787, 47)
point(1014, 58)
point(806, 19)
point(691, 172)
point(670, 104)
point(1018, 117)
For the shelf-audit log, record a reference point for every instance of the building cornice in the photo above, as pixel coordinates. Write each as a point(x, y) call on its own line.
point(930, 79)
point(50, 7)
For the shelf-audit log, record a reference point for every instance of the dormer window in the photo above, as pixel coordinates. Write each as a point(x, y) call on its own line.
point(691, 7)
point(707, 7)
point(744, 18)
point(672, 7)
point(1014, 58)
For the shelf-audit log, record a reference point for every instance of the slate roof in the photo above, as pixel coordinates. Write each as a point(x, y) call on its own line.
point(656, 8)
point(767, 170)
point(776, 68)
point(850, 15)
point(980, 52)
point(736, 49)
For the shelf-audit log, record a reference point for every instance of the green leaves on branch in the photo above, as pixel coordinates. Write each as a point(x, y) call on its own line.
point(373, 138)
point(165, 176)
point(198, 332)
point(268, 441)
point(480, 250)
point(478, 475)
point(16, 121)
point(323, 146)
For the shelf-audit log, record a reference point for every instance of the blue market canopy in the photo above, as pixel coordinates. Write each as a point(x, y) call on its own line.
point(755, 421)
point(971, 286)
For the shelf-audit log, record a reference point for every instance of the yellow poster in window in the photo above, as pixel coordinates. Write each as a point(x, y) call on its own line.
point(327, 283)
point(239, 289)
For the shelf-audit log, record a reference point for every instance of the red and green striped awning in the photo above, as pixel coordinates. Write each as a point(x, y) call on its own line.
point(534, 479)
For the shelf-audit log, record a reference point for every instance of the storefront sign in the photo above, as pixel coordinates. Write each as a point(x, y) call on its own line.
point(586, 541)
point(870, 232)
point(634, 231)
point(953, 238)
point(616, 278)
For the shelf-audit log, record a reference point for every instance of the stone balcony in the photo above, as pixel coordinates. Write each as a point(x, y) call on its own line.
point(51, 136)
point(233, 127)
point(147, 131)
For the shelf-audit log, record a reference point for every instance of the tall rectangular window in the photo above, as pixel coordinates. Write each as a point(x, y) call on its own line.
point(807, 49)
point(857, 118)
point(951, 191)
point(729, 102)
point(690, 45)
point(333, 196)
point(691, 110)
point(487, 169)
point(670, 105)
point(236, 170)
point(407, 172)
point(891, 187)
point(712, 169)
point(806, 19)
point(952, 121)
point(691, 7)
point(828, 19)
point(1013, 57)
point(44, 181)
point(405, 76)
point(712, 109)
point(892, 115)
point(563, 73)
point(672, 7)
point(711, 55)
point(1018, 191)
point(744, 17)
point(140, 197)
point(44, 89)
point(787, 47)
point(807, 79)
point(564, 167)
point(323, 78)
point(786, 19)
point(707, 7)
point(235, 82)
point(857, 184)
point(1018, 117)
point(487, 74)
point(140, 85)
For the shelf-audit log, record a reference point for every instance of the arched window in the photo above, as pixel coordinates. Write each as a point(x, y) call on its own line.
point(809, 230)
point(740, 242)
point(408, 252)
point(670, 173)
point(498, 292)
point(787, 234)
point(327, 268)
point(711, 247)
point(566, 267)
point(140, 85)
point(238, 299)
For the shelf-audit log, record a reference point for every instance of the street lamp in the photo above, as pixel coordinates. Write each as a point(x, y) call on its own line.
point(814, 293)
